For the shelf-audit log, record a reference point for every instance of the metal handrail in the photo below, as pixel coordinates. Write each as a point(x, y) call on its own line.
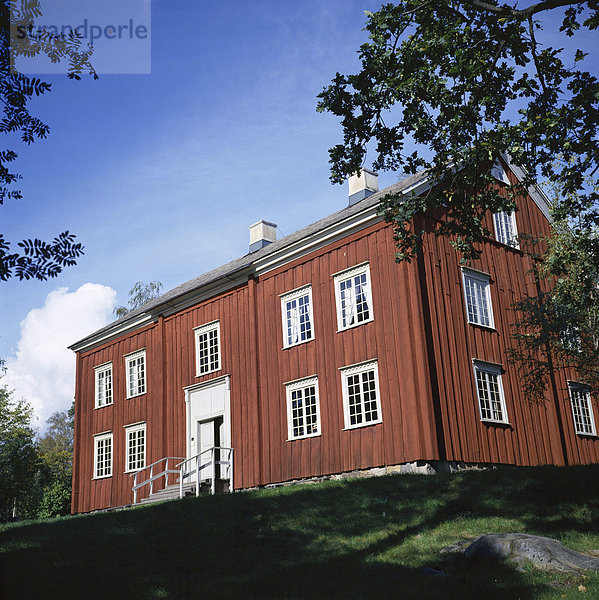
point(198, 468)
point(153, 477)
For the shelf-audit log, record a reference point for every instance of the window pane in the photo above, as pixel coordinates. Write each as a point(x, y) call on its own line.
point(297, 325)
point(477, 300)
point(353, 296)
point(136, 449)
point(582, 411)
point(369, 397)
point(207, 350)
point(302, 409)
point(361, 395)
point(505, 228)
point(103, 456)
point(354, 400)
point(490, 395)
point(297, 408)
point(347, 302)
point(104, 386)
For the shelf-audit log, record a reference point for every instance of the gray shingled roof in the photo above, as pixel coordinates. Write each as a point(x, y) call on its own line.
point(246, 261)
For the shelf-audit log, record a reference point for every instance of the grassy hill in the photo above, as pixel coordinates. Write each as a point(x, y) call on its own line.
point(369, 538)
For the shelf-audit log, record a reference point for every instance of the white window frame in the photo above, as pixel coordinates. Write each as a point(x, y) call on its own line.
point(139, 389)
point(481, 278)
point(493, 369)
point(580, 400)
point(206, 329)
point(129, 431)
point(359, 369)
point(509, 219)
point(292, 322)
point(102, 373)
point(99, 439)
point(293, 386)
point(339, 278)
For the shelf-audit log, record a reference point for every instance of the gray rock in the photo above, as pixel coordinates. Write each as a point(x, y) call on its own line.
point(540, 552)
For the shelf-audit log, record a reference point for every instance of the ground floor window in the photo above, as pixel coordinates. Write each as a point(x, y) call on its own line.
point(489, 389)
point(303, 412)
point(136, 447)
point(103, 455)
point(582, 409)
point(361, 403)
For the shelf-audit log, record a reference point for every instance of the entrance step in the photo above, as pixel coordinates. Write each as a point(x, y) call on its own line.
point(171, 492)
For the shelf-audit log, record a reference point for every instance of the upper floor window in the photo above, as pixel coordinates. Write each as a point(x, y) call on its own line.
point(353, 297)
point(135, 366)
point(361, 404)
point(103, 392)
point(478, 297)
point(103, 455)
point(489, 389)
point(505, 228)
point(207, 348)
point(582, 409)
point(136, 447)
point(296, 308)
point(303, 411)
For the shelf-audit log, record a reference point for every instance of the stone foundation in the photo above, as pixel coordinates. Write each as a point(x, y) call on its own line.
point(418, 467)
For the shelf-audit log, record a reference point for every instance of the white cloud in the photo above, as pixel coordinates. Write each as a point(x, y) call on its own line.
point(43, 369)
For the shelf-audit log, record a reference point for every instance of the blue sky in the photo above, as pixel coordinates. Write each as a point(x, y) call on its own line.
point(161, 175)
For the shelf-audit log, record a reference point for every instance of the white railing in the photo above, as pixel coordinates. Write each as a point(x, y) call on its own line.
point(195, 465)
point(153, 476)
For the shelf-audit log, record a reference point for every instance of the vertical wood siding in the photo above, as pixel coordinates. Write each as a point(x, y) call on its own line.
point(419, 336)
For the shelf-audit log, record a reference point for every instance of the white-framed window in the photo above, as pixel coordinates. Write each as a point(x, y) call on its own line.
point(477, 295)
point(135, 437)
point(489, 390)
point(135, 367)
point(207, 348)
point(103, 455)
point(582, 409)
point(103, 391)
point(298, 321)
point(303, 408)
point(353, 297)
point(505, 228)
point(361, 402)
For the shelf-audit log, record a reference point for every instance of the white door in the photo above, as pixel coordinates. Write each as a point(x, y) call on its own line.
point(208, 420)
point(209, 436)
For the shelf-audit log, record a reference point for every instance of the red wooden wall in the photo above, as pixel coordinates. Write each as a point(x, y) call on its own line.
point(419, 336)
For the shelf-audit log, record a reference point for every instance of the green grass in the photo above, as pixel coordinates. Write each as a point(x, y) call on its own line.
point(369, 538)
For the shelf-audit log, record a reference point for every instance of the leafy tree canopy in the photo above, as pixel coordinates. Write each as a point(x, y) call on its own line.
point(18, 453)
point(35, 258)
point(56, 470)
point(559, 327)
point(139, 294)
point(452, 86)
point(458, 83)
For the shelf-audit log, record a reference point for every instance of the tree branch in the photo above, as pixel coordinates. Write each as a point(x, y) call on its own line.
point(533, 49)
point(524, 12)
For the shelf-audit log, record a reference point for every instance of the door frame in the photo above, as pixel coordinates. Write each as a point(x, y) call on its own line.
point(225, 413)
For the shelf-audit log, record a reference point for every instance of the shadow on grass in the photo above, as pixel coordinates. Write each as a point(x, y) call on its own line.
point(374, 538)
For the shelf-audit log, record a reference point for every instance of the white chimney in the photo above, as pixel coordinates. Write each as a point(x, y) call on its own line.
point(363, 185)
point(262, 233)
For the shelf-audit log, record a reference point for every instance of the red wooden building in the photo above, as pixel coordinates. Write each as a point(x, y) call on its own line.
point(318, 354)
